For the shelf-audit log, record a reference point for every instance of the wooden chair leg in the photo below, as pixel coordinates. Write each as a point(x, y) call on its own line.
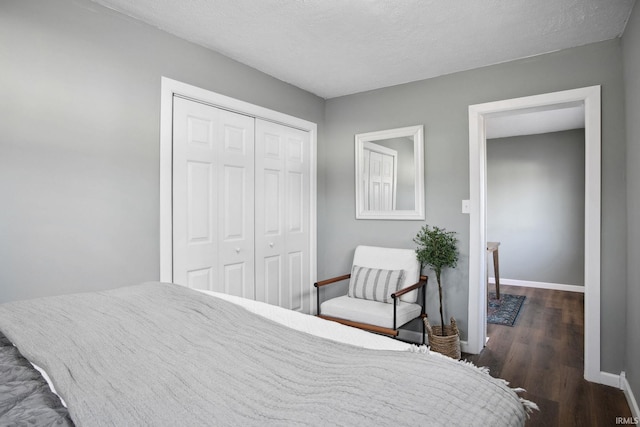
point(496, 268)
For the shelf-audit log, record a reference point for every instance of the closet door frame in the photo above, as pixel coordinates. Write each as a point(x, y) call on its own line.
point(171, 88)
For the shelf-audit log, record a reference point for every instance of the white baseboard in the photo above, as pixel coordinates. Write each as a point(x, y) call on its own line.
point(628, 393)
point(540, 285)
point(606, 378)
point(411, 336)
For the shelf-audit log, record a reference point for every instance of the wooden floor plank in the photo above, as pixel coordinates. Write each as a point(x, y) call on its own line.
point(544, 354)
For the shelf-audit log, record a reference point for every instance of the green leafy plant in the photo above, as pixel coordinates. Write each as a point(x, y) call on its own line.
point(438, 249)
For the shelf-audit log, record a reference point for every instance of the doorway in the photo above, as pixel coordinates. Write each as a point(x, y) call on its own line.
point(535, 197)
point(535, 212)
point(478, 115)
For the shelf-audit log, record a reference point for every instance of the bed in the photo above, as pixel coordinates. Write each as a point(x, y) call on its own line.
point(162, 354)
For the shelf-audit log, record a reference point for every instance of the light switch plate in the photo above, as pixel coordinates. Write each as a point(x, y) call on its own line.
point(466, 207)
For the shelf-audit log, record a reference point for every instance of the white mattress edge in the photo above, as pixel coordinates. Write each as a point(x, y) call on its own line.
point(48, 380)
point(315, 325)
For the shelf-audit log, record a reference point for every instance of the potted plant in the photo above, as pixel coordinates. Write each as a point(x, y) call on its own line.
point(437, 248)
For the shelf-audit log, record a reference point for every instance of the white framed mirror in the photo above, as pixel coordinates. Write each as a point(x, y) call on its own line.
point(390, 174)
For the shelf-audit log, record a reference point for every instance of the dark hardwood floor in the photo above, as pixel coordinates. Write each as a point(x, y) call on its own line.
point(544, 354)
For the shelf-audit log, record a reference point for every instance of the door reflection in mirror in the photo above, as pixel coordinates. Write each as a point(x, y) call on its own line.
point(389, 182)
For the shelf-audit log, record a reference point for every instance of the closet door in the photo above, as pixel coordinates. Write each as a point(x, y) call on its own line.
point(236, 204)
point(282, 216)
point(195, 195)
point(213, 199)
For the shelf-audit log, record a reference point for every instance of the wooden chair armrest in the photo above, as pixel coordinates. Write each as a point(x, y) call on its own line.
point(365, 326)
point(332, 280)
point(421, 283)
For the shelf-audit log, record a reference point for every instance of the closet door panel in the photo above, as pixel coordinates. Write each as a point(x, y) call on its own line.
point(269, 220)
point(195, 251)
point(295, 281)
point(199, 180)
point(297, 218)
point(200, 279)
point(236, 208)
point(235, 278)
point(272, 182)
point(270, 291)
point(295, 202)
point(282, 226)
point(270, 205)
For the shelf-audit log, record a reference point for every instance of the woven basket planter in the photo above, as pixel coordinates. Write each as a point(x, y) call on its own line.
point(449, 345)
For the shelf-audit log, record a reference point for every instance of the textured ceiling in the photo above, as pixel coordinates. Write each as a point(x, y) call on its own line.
point(339, 47)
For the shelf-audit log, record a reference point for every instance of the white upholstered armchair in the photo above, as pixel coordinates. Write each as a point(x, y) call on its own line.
point(383, 291)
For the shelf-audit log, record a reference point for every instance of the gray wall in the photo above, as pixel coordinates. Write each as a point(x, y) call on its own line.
point(535, 206)
point(631, 59)
point(79, 141)
point(441, 104)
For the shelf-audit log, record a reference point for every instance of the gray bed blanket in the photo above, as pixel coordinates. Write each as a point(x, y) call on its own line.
point(163, 355)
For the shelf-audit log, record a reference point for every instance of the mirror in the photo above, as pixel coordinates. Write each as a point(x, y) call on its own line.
point(390, 174)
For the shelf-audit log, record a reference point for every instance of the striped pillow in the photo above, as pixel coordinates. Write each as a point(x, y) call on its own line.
point(374, 284)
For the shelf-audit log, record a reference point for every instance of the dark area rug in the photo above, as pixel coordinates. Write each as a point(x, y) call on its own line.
point(505, 310)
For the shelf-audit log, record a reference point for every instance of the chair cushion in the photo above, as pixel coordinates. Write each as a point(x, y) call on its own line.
point(391, 259)
point(371, 312)
point(374, 284)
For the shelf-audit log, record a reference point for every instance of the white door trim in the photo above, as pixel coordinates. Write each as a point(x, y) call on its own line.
point(169, 88)
point(590, 96)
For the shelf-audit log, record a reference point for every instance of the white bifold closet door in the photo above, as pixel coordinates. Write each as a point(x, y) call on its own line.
point(282, 215)
point(213, 199)
point(240, 205)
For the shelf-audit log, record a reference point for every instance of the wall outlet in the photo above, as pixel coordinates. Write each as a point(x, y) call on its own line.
point(466, 206)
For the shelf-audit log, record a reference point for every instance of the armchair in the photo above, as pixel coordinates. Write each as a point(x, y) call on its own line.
point(366, 306)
